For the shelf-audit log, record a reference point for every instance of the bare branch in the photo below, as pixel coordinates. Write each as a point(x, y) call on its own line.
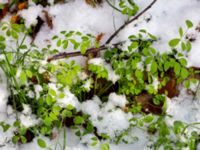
point(78, 53)
point(102, 47)
point(130, 21)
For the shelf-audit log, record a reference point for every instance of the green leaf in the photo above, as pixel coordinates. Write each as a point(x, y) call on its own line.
point(139, 74)
point(61, 95)
point(167, 65)
point(15, 139)
point(105, 146)
point(70, 107)
point(53, 116)
point(178, 126)
point(58, 43)
point(23, 139)
point(184, 73)
point(66, 113)
point(188, 46)
point(189, 24)
point(52, 92)
point(41, 143)
point(177, 68)
point(2, 38)
point(78, 120)
point(47, 121)
point(49, 100)
point(180, 31)
point(174, 42)
point(23, 77)
point(29, 73)
point(183, 61)
point(148, 118)
point(183, 46)
point(4, 126)
point(187, 84)
point(154, 67)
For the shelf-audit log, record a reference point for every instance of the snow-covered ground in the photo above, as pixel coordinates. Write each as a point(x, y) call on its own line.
point(162, 20)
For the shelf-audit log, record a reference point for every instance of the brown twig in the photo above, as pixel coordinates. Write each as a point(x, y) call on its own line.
point(74, 54)
point(102, 47)
point(78, 53)
point(129, 21)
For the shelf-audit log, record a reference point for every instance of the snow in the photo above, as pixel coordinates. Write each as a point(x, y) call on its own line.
point(184, 108)
point(117, 100)
point(165, 17)
point(35, 11)
point(68, 99)
point(3, 93)
point(38, 89)
point(3, 1)
point(106, 116)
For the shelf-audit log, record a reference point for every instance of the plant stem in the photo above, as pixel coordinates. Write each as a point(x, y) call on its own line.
point(64, 140)
point(130, 21)
point(105, 89)
point(195, 94)
point(111, 5)
point(191, 124)
point(74, 54)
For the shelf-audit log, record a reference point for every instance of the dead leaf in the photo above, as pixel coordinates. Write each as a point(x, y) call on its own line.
point(48, 19)
point(145, 100)
point(15, 19)
point(170, 88)
point(99, 37)
point(93, 3)
point(22, 5)
point(4, 11)
point(198, 28)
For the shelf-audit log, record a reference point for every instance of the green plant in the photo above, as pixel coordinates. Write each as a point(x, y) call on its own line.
point(142, 72)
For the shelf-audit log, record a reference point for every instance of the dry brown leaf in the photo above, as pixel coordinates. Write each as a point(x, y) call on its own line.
point(93, 3)
point(22, 5)
point(48, 19)
point(4, 11)
point(145, 100)
point(14, 19)
point(99, 37)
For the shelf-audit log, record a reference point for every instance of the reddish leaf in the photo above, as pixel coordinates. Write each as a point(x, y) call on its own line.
point(145, 100)
point(99, 37)
point(171, 88)
point(22, 5)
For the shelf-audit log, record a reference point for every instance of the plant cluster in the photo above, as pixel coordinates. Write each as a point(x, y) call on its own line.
point(40, 90)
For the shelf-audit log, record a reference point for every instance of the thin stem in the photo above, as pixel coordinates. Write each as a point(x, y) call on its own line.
point(195, 94)
point(130, 21)
point(12, 75)
point(95, 85)
point(105, 89)
point(64, 140)
point(111, 5)
point(189, 125)
point(74, 54)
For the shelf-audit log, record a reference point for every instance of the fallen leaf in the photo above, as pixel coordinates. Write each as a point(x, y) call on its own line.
point(171, 88)
point(93, 3)
point(22, 5)
point(15, 19)
point(4, 11)
point(145, 100)
point(48, 19)
point(99, 37)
